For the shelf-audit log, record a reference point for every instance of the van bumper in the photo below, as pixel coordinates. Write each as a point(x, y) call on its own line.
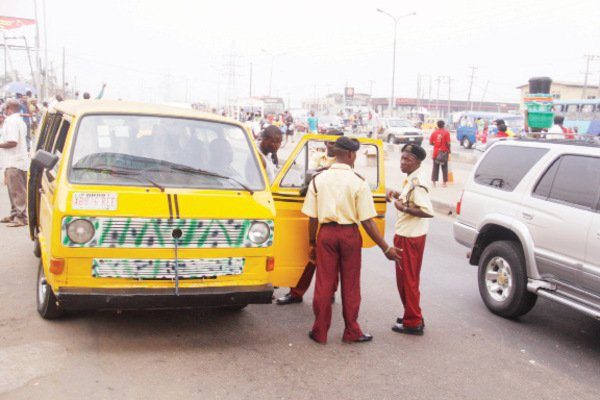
point(136, 299)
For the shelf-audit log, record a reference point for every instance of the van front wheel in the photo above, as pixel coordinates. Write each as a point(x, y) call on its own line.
point(46, 300)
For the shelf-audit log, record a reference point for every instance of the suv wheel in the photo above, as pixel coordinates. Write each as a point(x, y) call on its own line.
point(46, 300)
point(466, 143)
point(503, 280)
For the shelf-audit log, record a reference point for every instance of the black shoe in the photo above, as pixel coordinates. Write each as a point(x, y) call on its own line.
point(311, 335)
point(288, 299)
point(399, 321)
point(419, 330)
point(364, 338)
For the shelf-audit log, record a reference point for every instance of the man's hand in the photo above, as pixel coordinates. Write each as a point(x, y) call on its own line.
point(312, 254)
point(391, 194)
point(394, 254)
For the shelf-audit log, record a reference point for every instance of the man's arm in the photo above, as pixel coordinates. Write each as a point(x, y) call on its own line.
point(414, 211)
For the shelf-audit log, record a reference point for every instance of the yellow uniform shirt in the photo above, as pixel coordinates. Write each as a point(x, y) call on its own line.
point(341, 196)
point(408, 225)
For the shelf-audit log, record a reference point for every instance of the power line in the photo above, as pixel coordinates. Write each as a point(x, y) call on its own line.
point(473, 68)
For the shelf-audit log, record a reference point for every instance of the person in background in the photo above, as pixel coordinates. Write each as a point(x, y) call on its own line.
point(558, 130)
point(440, 140)
point(502, 131)
point(288, 124)
point(268, 146)
point(313, 123)
point(16, 163)
point(414, 209)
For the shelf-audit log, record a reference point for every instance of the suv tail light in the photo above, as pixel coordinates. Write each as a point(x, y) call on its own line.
point(459, 203)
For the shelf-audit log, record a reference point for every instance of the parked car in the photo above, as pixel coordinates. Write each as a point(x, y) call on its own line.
point(530, 213)
point(397, 130)
point(328, 122)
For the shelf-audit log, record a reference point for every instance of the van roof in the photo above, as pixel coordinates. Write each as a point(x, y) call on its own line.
point(80, 107)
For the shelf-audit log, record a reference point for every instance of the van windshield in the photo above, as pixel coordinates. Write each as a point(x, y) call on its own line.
point(163, 152)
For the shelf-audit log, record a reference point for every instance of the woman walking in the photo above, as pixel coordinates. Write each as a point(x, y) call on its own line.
point(440, 140)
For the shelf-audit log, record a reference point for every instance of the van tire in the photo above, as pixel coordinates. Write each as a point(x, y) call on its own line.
point(466, 143)
point(502, 280)
point(37, 248)
point(46, 300)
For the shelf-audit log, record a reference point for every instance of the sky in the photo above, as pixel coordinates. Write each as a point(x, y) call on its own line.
point(181, 51)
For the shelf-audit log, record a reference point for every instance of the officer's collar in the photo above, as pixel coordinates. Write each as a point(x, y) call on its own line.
point(340, 166)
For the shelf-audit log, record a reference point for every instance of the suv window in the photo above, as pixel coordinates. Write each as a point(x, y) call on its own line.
point(504, 166)
point(572, 180)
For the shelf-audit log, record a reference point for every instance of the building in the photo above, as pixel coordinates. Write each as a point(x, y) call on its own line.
point(566, 91)
point(439, 108)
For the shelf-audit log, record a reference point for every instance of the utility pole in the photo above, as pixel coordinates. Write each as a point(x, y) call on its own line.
point(45, 94)
point(250, 93)
point(449, 93)
point(589, 58)
point(437, 97)
point(63, 72)
point(484, 93)
point(473, 68)
point(38, 60)
point(395, 19)
point(371, 81)
point(418, 90)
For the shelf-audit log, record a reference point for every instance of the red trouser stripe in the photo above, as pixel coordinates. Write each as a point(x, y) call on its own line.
point(339, 248)
point(408, 272)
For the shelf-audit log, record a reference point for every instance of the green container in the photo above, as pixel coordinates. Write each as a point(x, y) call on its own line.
point(538, 106)
point(540, 119)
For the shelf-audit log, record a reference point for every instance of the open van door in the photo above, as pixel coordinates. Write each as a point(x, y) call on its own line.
point(289, 187)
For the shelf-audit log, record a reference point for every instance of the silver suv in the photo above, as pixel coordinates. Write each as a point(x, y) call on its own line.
point(530, 213)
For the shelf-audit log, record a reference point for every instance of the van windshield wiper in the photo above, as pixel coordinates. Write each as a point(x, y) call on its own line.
point(128, 173)
point(197, 171)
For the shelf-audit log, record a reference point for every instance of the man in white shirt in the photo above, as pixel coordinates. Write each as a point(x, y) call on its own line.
point(270, 143)
point(15, 158)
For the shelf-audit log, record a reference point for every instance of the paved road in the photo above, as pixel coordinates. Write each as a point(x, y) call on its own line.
point(263, 351)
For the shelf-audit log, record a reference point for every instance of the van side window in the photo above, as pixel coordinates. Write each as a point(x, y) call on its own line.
point(505, 166)
point(59, 143)
point(572, 180)
point(52, 125)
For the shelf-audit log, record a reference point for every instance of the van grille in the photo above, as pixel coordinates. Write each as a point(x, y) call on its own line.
point(206, 268)
point(157, 233)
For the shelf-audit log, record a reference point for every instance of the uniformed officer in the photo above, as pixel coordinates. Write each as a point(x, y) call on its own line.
point(414, 209)
point(318, 161)
point(338, 200)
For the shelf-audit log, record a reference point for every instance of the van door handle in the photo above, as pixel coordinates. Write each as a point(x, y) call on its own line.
point(527, 216)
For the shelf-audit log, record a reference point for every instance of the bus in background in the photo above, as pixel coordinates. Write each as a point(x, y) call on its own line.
point(263, 106)
point(583, 116)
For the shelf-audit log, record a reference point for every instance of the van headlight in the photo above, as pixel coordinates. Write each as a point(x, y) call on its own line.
point(259, 232)
point(80, 231)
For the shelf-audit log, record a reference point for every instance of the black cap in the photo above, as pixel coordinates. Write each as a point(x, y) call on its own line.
point(415, 150)
point(345, 143)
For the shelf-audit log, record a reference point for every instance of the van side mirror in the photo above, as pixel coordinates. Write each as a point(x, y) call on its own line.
point(44, 160)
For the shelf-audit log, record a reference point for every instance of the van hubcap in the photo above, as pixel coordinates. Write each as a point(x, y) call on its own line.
point(498, 279)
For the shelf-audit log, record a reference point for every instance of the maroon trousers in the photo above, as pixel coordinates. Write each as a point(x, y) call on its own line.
point(339, 249)
point(408, 274)
point(305, 279)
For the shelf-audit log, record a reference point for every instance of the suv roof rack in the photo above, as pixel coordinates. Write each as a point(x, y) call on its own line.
point(592, 141)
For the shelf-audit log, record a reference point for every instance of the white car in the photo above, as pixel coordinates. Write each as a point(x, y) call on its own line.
point(399, 131)
point(530, 215)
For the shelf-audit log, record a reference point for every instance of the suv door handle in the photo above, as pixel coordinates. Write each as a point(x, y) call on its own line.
point(527, 216)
